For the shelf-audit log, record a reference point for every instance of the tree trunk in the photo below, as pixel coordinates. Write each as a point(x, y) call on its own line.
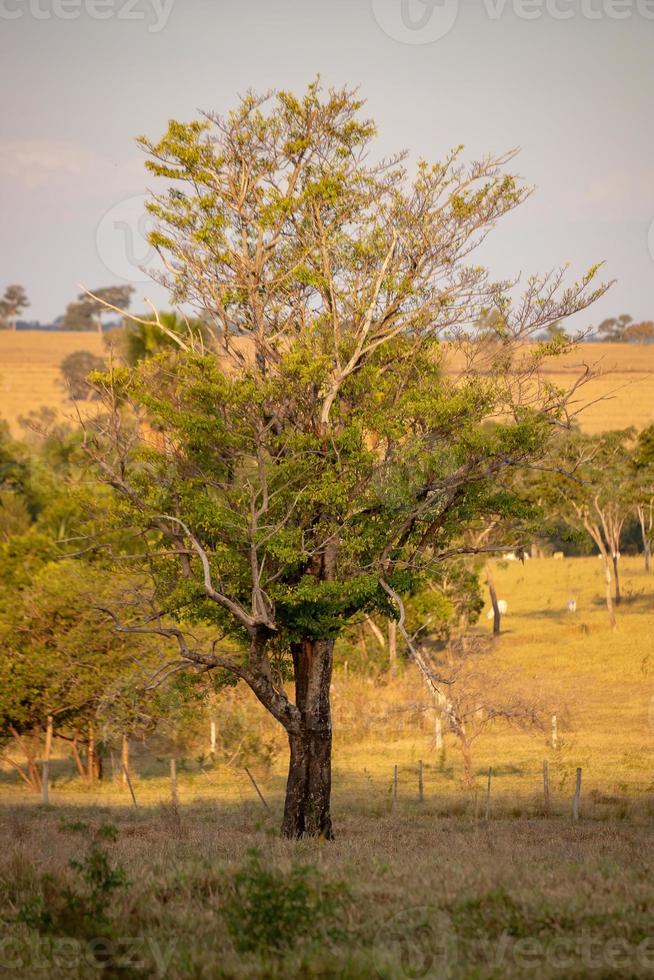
point(48, 739)
point(609, 596)
point(497, 616)
point(616, 573)
point(124, 759)
point(647, 547)
point(392, 647)
point(308, 789)
point(78, 759)
point(90, 757)
point(32, 777)
point(467, 760)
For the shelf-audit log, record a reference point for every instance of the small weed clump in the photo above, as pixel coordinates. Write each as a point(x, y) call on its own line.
point(81, 910)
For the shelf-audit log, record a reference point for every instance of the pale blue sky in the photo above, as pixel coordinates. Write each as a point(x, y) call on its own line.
point(575, 94)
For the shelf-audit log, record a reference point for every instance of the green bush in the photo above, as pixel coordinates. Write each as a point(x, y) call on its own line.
point(268, 910)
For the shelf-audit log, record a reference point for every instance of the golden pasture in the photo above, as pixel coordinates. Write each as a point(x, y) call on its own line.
point(622, 394)
point(29, 371)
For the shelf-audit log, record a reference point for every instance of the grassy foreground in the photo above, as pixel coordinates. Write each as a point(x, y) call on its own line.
point(429, 889)
point(415, 895)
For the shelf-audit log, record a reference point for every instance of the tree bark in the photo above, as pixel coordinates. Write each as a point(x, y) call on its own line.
point(616, 573)
point(124, 759)
point(90, 757)
point(308, 789)
point(645, 535)
point(392, 647)
point(48, 738)
point(609, 596)
point(78, 759)
point(497, 616)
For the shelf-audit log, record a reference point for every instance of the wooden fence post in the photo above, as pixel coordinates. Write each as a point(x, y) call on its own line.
point(394, 795)
point(421, 792)
point(173, 781)
point(44, 782)
point(577, 798)
point(129, 783)
point(546, 785)
point(212, 742)
point(488, 793)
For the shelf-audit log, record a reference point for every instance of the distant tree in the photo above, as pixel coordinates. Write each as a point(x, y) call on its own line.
point(12, 305)
point(592, 488)
point(554, 331)
point(640, 333)
point(470, 693)
point(643, 463)
point(75, 369)
point(87, 312)
point(613, 329)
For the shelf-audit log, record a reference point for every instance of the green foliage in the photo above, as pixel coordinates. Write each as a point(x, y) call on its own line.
point(268, 911)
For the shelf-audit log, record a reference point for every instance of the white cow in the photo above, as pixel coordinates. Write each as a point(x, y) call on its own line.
point(571, 605)
point(503, 607)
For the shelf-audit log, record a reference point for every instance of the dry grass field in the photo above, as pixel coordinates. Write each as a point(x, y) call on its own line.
point(29, 370)
point(428, 889)
point(622, 396)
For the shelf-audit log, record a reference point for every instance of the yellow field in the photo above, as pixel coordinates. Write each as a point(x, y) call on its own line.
point(622, 396)
point(29, 370)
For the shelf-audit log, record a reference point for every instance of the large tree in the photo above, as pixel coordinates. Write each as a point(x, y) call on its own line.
point(12, 305)
point(87, 312)
point(320, 453)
